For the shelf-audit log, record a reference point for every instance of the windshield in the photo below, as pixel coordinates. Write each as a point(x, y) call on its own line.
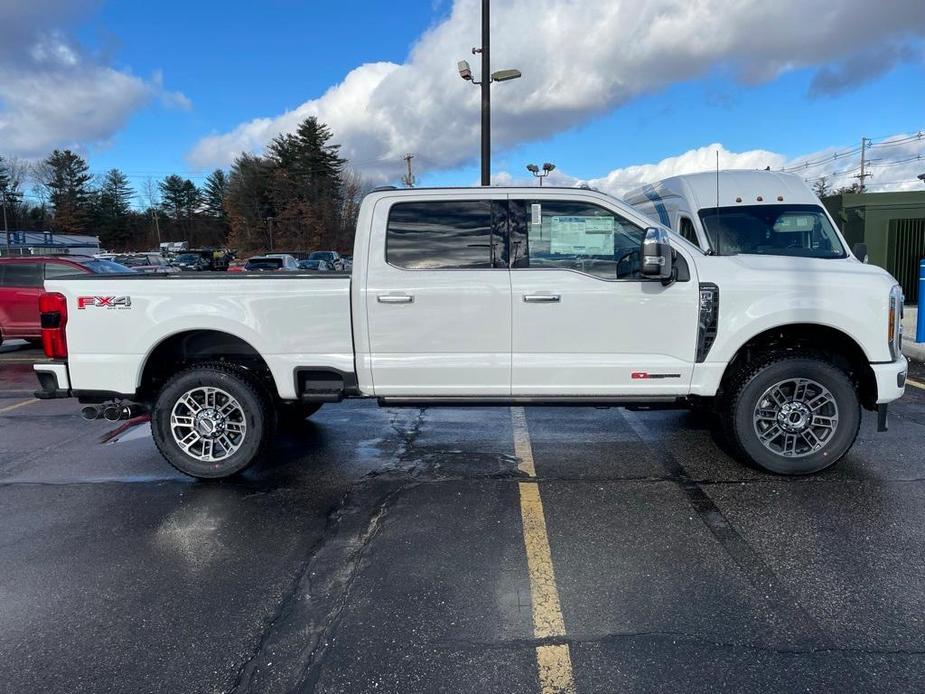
point(104, 266)
point(321, 255)
point(188, 258)
point(264, 264)
point(793, 230)
point(132, 260)
point(310, 264)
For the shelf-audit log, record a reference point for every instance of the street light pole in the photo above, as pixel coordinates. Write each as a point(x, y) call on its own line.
point(487, 78)
point(535, 170)
point(486, 92)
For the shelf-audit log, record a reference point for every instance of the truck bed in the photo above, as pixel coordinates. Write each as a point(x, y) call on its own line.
point(292, 319)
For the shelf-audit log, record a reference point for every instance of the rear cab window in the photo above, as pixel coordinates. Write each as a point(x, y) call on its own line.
point(25, 274)
point(264, 264)
point(445, 235)
point(53, 270)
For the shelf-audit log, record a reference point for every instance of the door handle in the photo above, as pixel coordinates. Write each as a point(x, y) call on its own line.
point(541, 298)
point(395, 299)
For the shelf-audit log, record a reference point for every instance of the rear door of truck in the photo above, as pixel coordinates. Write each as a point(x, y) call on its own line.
point(438, 296)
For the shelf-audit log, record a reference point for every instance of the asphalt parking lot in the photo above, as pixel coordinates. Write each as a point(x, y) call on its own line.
point(450, 550)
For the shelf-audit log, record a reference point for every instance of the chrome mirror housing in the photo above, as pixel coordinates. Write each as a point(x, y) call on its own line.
point(656, 254)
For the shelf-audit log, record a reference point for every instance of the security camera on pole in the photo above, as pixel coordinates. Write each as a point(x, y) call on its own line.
point(487, 78)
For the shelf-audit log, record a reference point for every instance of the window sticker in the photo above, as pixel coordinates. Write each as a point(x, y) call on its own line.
point(536, 213)
point(581, 235)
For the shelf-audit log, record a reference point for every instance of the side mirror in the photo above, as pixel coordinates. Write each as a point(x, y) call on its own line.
point(656, 255)
point(860, 251)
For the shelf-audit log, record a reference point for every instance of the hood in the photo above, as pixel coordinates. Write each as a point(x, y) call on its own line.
point(793, 265)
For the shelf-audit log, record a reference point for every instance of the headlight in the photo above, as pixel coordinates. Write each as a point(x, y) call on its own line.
point(895, 322)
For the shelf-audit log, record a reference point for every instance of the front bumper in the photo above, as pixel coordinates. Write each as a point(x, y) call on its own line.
point(891, 380)
point(53, 380)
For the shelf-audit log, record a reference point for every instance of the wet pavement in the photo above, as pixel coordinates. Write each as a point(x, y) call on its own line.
point(383, 550)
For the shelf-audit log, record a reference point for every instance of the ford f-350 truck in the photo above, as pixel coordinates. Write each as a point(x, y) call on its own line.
point(496, 296)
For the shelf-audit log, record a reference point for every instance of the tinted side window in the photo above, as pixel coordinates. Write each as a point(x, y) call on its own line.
point(442, 235)
point(21, 274)
point(576, 236)
point(53, 270)
point(687, 231)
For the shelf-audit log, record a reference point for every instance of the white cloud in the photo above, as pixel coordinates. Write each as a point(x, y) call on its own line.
point(894, 163)
point(579, 58)
point(52, 94)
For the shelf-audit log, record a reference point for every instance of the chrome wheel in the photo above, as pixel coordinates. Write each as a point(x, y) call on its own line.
point(208, 424)
point(796, 417)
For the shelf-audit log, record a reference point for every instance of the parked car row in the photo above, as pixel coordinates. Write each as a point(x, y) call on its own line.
point(319, 261)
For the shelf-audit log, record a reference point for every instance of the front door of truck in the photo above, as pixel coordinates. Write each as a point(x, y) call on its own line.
point(438, 298)
point(584, 321)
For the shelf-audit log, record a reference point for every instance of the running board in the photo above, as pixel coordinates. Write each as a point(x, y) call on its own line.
point(651, 402)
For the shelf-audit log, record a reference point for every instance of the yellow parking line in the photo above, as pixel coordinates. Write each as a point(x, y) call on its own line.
point(915, 383)
point(9, 408)
point(554, 661)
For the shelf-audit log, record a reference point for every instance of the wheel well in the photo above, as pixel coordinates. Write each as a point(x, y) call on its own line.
point(187, 348)
point(818, 340)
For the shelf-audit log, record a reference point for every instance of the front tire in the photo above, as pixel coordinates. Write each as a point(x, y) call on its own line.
point(793, 415)
point(212, 421)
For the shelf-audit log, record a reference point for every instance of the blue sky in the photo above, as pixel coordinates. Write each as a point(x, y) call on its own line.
point(181, 87)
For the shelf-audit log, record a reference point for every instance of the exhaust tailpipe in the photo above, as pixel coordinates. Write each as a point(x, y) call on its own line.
point(112, 413)
point(91, 412)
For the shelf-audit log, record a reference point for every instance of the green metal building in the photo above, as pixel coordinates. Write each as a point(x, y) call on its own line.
point(893, 227)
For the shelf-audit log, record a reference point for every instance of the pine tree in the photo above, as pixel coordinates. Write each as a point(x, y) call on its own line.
point(66, 177)
point(249, 202)
point(214, 192)
point(113, 209)
point(307, 185)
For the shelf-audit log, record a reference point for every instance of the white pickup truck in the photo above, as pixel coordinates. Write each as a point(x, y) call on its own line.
point(495, 296)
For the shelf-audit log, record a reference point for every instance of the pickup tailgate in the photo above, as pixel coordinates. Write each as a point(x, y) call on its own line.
point(116, 322)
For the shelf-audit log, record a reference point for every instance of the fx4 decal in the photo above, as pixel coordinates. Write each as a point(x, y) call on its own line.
point(645, 375)
point(109, 302)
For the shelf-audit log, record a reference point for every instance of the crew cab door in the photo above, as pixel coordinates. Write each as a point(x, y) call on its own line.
point(438, 297)
point(585, 322)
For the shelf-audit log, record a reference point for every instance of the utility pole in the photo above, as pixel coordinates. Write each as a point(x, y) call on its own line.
point(6, 228)
point(157, 226)
point(865, 143)
point(270, 228)
point(408, 179)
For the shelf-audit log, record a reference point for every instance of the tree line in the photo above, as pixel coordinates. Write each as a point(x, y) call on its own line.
point(298, 195)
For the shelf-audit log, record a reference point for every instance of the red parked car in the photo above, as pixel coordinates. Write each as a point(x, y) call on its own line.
point(22, 280)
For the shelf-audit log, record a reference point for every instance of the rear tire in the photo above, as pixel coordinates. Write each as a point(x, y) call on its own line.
point(793, 415)
point(213, 420)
